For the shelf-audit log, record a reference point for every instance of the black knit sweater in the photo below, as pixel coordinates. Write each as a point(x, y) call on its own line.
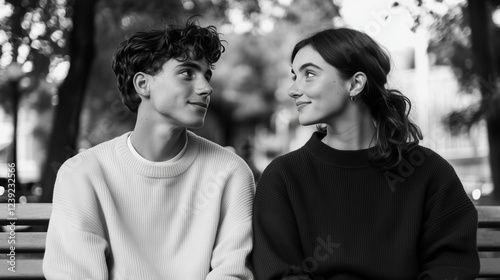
point(322, 213)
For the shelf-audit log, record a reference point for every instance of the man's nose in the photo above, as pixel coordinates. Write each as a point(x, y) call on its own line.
point(203, 87)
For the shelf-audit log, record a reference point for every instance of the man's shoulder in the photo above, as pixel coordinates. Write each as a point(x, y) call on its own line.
point(210, 150)
point(90, 157)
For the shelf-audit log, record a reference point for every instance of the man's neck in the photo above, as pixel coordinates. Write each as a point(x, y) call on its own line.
point(157, 142)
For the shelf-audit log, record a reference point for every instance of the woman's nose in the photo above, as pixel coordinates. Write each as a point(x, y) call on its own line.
point(294, 91)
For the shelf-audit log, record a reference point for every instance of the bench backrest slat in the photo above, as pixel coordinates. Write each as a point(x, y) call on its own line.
point(25, 269)
point(488, 240)
point(25, 214)
point(25, 242)
point(488, 216)
point(490, 267)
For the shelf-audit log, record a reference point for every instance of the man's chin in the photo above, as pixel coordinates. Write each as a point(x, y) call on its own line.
point(197, 125)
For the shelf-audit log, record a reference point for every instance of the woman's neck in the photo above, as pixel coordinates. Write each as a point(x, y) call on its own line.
point(352, 133)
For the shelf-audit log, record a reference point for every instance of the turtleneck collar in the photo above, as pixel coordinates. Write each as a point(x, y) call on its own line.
point(340, 158)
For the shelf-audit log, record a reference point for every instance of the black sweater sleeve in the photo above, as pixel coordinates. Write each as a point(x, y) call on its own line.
point(277, 250)
point(448, 240)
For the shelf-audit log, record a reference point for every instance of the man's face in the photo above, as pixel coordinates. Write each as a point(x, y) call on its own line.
point(180, 93)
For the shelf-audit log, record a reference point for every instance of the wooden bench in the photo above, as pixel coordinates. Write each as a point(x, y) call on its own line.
point(31, 245)
point(488, 241)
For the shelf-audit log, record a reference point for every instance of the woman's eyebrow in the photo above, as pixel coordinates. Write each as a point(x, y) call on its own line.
point(305, 65)
point(309, 64)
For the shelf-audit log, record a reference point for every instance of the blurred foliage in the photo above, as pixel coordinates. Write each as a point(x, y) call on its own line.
point(104, 116)
point(34, 35)
point(245, 80)
point(451, 44)
point(249, 82)
point(465, 35)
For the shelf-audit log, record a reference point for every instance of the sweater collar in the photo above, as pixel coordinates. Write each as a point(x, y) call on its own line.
point(340, 158)
point(157, 169)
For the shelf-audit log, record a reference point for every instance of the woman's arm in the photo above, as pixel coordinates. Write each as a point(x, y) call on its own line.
point(448, 240)
point(277, 252)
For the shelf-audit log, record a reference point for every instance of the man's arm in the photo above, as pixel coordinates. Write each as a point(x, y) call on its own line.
point(75, 246)
point(233, 243)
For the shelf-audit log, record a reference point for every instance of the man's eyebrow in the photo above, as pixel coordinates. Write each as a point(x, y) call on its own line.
point(196, 66)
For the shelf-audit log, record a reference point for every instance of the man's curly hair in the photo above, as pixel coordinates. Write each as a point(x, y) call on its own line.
point(148, 51)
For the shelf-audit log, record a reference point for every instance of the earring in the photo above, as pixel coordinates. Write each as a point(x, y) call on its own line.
point(353, 98)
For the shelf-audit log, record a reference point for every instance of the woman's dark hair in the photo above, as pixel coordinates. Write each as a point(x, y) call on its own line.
point(351, 51)
point(148, 51)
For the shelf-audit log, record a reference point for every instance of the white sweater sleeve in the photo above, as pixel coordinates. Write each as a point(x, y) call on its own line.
point(75, 246)
point(234, 237)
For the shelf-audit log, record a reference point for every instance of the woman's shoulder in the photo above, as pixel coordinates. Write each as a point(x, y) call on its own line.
point(425, 160)
point(421, 155)
point(291, 156)
point(286, 162)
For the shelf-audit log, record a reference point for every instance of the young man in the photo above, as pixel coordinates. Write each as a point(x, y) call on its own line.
point(159, 202)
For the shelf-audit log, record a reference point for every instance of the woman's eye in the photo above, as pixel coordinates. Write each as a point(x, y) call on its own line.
point(309, 74)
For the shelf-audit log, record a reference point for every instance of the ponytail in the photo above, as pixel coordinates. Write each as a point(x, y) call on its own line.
point(395, 132)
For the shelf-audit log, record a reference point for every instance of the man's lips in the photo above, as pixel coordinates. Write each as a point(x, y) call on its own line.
point(201, 104)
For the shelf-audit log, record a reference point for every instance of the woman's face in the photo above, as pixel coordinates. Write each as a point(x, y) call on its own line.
point(320, 94)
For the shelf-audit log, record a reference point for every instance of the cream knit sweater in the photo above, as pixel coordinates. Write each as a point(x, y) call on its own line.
point(118, 217)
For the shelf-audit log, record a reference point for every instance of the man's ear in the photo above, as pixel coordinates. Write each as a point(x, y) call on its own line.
point(358, 82)
point(141, 84)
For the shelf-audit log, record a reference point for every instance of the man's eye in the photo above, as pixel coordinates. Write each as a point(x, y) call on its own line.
point(188, 73)
point(294, 78)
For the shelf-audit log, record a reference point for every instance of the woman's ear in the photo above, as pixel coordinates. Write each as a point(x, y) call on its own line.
point(358, 82)
point(141, 84)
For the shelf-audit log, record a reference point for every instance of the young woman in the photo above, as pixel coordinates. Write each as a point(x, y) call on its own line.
point(361, 199)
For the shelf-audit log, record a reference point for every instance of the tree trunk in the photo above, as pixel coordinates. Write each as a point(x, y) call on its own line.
point(14, 86)
point(62, 142)
point(17, 37)
point(493, 125)
point(482, 47)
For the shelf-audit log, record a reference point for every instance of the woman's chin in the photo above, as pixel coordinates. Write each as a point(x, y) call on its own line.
point(306, 122)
